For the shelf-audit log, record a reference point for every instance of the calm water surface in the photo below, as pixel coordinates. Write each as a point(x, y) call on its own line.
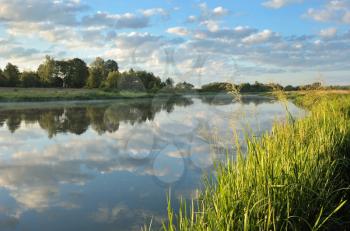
point(108, 165)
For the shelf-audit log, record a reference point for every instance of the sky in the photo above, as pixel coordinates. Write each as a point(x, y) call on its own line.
point(284, 41)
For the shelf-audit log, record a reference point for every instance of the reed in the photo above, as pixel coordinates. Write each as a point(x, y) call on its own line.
point(294, 177)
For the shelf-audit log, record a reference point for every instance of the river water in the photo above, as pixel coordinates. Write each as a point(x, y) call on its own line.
point(108, 165)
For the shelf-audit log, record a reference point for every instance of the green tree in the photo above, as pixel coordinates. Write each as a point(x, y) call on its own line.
point(111, 66)
point(77, 73)
point(97, 74)
point(3, 79)
point(113, 79)
point(30, 79)
point(149, 81)
point(46, 72)
point(61, 73)
point(11, 73)
point(184, 86)
point(169, 82)
point(217, 87)
point(95, 78)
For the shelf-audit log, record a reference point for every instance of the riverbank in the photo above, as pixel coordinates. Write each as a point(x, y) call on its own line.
point(70, 94)
point(292, 178)
point(58, 94)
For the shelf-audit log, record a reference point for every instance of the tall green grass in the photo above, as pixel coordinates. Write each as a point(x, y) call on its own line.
point(295, 177)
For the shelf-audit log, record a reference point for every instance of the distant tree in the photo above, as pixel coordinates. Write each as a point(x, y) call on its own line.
point(217, 87)
point(290, 88)
point(245, 87)
point(11, 73)
point(131, 81)
point(98, 63)
point(95, 78)
point(169, 82)
point(30, 79)
point(46, 72)
point(111, 66)
point(3, 79)
point(113, 79)
point(273, 87)
point(61, 73)
point(77, 73)
point(149, 80)
point(184, 86)
point(316, 85)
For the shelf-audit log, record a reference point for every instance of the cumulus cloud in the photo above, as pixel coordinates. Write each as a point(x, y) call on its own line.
point(178, 31)
point(328, 33)
point(58, 12)
point(208, 17)
point(279, 3)
point(212, 25)
point(260, 37)
point(333, 11)
point(127, 20)
point(154, 11)
point(220, 11)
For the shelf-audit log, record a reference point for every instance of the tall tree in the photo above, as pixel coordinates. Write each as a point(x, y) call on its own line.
point(11, 72)
point(169, 82)
point(113, 79)
point(77, 73)
point(95, 78)
point(46, 72)
point(3, 79)
point(111, 65)
point(61, 72)
point(184, 86)
point(97, 73)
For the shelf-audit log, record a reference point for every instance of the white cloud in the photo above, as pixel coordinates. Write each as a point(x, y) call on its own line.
point(58, 12)
point(259, 37)
point(328, 33)
point(279, 3)
point(178, 31)
point(117, 21)
point(208, 17)
point(333, 11)
point(220, 11)
point(212, 25)
point(154, 11)
point(191, 18)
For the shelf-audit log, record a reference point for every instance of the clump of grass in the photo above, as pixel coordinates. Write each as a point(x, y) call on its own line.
point(292, 178)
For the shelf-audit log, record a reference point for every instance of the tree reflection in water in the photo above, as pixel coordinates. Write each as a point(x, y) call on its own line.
point(102, 117)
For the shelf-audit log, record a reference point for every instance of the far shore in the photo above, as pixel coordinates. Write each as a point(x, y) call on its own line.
point(71, 94)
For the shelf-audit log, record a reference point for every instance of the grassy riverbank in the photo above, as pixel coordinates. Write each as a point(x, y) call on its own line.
point(70, 94)
point(295, 177)
point(53, 94)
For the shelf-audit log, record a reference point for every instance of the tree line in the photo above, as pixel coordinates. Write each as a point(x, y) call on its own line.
point(75, 73)
point(261, 87)
point(105, 74)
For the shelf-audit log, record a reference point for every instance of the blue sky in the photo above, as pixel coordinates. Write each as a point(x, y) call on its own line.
point(285, 41)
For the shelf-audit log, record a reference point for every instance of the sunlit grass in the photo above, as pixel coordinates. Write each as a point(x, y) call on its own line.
point(294, 177)
point(53, 94)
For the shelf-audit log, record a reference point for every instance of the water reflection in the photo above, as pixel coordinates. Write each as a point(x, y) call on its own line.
point(108, 165)
point(103, 117)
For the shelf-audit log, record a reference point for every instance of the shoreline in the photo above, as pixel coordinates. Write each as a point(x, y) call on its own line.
point(26, 95)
